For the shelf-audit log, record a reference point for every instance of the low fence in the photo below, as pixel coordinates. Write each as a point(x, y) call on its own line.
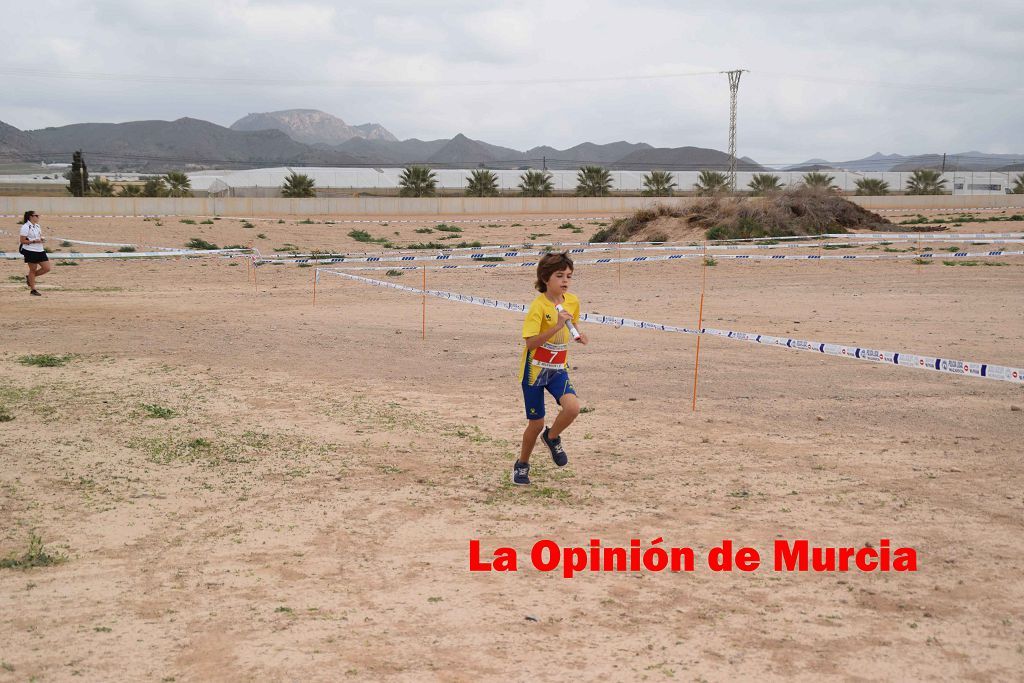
point(434, 206)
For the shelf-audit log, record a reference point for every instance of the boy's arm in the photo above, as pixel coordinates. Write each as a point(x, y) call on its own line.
point(539, 340)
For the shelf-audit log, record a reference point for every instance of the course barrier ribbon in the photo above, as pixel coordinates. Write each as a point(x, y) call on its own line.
point(903, 359)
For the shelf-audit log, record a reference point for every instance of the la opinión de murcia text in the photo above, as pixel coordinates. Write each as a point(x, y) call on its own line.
point(787, 556)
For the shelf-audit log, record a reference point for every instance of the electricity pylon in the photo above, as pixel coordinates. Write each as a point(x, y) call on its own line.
point(734, 87)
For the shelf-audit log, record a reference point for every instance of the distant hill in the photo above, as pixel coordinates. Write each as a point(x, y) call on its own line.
point(311, 126)
point(14, 144)
point(683, 159)
point(181, 144)
point(878, 162)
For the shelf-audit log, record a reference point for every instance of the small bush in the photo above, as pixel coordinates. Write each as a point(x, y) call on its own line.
point(197, 243)
point(567, 226)
point(188, 221)
point(67, 263)
point(306, 222)
point(4, 415)
point(45, 360)
point(441, 227)
point(261, 236)
point(126, 250)
point(206, 222)
point(394, 273)
point(35, 556)
point(424, 231)
point(248, 226)
point(65, 243)
point(363, 236)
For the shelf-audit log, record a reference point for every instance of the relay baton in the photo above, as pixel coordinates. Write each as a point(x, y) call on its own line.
point(568, 323)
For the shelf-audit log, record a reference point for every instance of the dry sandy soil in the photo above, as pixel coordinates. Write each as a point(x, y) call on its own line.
point(303, 510)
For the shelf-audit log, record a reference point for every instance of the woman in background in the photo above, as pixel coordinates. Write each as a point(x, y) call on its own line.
point(32, 249)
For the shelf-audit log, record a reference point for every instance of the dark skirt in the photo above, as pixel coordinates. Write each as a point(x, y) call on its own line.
point(34, 256)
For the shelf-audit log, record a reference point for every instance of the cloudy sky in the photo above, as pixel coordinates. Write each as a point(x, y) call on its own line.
point(836, 80)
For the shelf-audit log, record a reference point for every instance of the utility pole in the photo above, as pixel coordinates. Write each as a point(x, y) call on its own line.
point(734, 87)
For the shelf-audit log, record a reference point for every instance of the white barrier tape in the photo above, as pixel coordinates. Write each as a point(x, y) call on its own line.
point(115, 244)
point(770, 242)
point(902, 359)
point(669, 257)
point(484, 253)
point(427, 219)
point(74, 256)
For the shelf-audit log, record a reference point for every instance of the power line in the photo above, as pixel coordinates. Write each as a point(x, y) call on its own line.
point(243, 80)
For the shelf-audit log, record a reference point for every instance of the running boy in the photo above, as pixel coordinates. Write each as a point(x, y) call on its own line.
point(544, 364)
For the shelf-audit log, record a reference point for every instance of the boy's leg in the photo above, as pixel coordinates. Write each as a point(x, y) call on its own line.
point(31, 276)
point(530, 436)
point(569, 412)
point(43, 268)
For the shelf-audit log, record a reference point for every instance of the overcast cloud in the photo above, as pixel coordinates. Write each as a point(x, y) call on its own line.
point(835, 80)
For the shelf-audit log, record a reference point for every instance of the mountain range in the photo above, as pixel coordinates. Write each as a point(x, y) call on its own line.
point(877, 162)
point(308, 137)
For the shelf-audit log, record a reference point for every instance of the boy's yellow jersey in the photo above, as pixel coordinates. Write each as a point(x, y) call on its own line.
point(536, 366)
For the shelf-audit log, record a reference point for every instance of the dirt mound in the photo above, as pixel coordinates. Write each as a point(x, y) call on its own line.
point(800, 211)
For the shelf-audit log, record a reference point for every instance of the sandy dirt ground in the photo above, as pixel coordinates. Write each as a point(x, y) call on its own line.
point(247, 487)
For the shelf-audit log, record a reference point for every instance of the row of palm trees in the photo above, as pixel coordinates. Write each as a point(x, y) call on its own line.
point(173, 184)
point(596, 181)
point(920, 182)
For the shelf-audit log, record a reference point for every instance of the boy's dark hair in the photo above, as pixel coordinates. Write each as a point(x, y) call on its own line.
point(549, 264)
point(27, 214)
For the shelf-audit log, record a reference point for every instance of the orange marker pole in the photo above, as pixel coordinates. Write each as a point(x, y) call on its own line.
point(700, 322)
point(423, 334)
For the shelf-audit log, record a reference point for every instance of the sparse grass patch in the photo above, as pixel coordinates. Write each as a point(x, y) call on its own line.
point(424, 231)
point(206, 222)
point(567, 226)
point(126, 250)
point(188, 221)
point(157, 411)
point(923, 261)
point(198, 243)
point(306, 222)
point(441, 227)
point(46, 360)
point(4, 415)
point(709, 261)
point(16, 278)
point(394, 273)
point(67, 263)
point(247, 225)
point(35, 556)
point(261, 236)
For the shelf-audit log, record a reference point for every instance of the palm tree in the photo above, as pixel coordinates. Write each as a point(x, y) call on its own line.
point(178, 184)
point(710, 183)
point(417, 181)
point(1018, 184)
point(822, 180)
point(130, 191)
point(297, 186)
point(101, 187)
point(764, 183)
point(593, 181)
point(482, 183)
point(658, 184)
point(536, 184)
point(925, 181)
point(871, 187)
point(154, 187)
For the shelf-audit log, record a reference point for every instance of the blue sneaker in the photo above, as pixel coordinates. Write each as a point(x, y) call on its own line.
point(555, 446)
point(521, 473)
